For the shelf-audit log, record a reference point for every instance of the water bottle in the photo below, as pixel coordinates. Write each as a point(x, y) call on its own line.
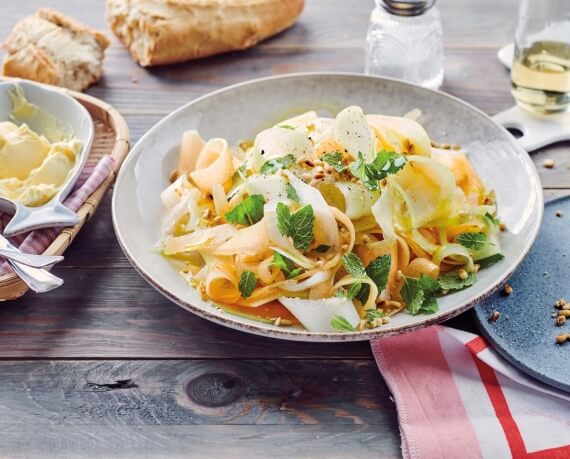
point(404, 41)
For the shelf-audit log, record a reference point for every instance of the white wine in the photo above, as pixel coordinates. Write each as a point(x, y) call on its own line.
point(540, 76)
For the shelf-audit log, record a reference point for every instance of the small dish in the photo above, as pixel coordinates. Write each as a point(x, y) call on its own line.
point(525, 331)
point(252, 106)
point(74, 117)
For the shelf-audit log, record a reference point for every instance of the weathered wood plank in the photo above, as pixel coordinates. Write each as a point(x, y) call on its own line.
point(158, 91)
point(114, 314)
point(199, 441)
point(309, 408)
point(195, 392)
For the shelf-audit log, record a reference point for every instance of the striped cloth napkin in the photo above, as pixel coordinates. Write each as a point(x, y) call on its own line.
point(37, 241)
point(456, 398)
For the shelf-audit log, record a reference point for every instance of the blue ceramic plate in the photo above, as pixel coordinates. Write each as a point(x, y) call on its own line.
point(525, 331)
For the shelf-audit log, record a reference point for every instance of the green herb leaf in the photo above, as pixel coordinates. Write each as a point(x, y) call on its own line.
point(273, 165)
point(247, 212)
point(286, 126)
point(413, 295)
point(418, 294)
point(299, 226)
point(387, 163)
point(322, 248)
point(492, 219)
point(246, 283)
point(452, 281)
point(285, 265)
point(353, 265)
point(429, 306)
point(474, 241)
point(490, 261)
point(365, 172)
point(339, 323)
point(372, 314)
point(353, 290)
point(334, 159)
point(428, 285)
point(295, 273)
point(378, 271)
point(292, 193)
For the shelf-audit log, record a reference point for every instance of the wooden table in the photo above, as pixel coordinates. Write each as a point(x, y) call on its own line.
point(106, 366)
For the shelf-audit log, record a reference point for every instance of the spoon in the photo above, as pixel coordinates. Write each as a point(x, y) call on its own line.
point(38, 280)
point(29, 259)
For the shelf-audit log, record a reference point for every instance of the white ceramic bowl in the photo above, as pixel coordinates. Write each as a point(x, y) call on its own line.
point(240, 111)
point(74, 117)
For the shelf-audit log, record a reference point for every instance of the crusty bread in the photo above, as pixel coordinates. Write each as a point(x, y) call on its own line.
point(166, 31)
point(51, 48)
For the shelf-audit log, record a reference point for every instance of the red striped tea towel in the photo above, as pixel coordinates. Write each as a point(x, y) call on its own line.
point(37, 241)
point(456, 398)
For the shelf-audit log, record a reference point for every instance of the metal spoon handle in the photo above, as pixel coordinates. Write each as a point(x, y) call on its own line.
point(39, 280)
point(36, 261)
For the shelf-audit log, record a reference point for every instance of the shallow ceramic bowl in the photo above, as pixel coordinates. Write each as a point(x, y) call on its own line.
point(73, 117)
point(240, 111)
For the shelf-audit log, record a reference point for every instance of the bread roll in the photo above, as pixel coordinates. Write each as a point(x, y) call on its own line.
point(51, 48)
point(166, 31)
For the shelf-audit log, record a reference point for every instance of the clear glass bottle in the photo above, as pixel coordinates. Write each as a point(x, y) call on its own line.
point(405, 41)
point(540, 73)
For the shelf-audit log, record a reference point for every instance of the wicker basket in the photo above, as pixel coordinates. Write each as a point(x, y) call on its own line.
point(111, 137)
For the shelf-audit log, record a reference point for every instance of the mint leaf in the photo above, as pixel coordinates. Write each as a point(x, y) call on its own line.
point(295, 273)
point(247, 212)
point(474, 241)
point(246, 283)
point(452, 281)
point(299, 226)
point(322, 248)
point(428, 285)
point(334, 159)
point(273, 165)
point(292, 193)
point(302, 228)
point(285, 265)
point(387, 163)
point(372, 314)
point(286, 126)
point(494, 220)
point(353, 290)
point(429, 306)
point(364, 172)
point(339, 323)
point(378, 271)
point(353, 265)
point(283, 219)
point(413, 295)
point(418, 294)
point(489, 261)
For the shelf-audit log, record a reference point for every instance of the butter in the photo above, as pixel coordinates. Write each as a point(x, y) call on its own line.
point(34, 167)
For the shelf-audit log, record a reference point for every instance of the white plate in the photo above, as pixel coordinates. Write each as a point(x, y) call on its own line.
point(73, 116)
point(240, 111)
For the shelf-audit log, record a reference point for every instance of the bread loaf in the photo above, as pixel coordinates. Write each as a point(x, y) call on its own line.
point(51, 48)
point(166, 31)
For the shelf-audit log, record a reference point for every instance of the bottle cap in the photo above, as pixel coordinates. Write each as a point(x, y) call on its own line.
point(407, 7)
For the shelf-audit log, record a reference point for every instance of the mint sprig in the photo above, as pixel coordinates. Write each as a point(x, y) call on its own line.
point(247, 212)
point(273, 165)
point(246, 283)
point(334, 159)
point(339, 323)
point(298, 226)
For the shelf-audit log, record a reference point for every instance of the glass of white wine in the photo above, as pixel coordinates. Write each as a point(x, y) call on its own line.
point(540, 73)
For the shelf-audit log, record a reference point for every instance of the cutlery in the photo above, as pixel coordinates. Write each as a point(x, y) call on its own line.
point(37, 279)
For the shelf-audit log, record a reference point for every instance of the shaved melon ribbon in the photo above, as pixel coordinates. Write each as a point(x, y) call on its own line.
point(214, 165)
